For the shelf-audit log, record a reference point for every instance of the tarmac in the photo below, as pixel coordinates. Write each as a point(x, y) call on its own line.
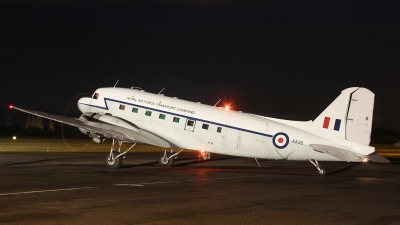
point(77, 188)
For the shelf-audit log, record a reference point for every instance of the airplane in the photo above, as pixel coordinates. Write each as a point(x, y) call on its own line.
point(131, 115)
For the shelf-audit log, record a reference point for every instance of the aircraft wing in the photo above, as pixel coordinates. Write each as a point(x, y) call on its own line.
point(107, 130)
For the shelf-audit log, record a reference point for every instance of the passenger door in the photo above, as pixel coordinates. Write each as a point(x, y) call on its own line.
point(232, 137)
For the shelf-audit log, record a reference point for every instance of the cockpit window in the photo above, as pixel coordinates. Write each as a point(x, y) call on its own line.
point(95, 95)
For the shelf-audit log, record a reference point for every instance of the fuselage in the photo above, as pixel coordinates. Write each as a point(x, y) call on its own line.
point(196, 126)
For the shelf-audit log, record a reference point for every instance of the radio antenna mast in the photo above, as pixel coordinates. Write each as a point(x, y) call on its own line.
point(116, 83)
point(161, 91)
point(217, 102)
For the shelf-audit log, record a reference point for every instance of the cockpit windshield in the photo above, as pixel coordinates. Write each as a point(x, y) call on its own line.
point(95, 96)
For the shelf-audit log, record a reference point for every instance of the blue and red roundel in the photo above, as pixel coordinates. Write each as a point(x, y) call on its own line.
point(280, 140)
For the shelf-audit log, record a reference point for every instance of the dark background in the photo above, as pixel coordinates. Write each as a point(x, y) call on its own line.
point(286, 59)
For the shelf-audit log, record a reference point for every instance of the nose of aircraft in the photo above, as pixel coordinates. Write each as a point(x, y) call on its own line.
point(84, 104)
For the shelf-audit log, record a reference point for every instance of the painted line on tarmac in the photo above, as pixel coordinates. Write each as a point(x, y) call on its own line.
point(134, 185)
point(181, 181)
point(131, 185)
point(43, 191)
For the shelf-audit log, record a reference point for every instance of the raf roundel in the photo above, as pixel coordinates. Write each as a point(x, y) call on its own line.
point(280, 140)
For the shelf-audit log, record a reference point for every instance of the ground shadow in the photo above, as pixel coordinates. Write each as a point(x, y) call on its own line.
point(178, 161)
point(347, 168)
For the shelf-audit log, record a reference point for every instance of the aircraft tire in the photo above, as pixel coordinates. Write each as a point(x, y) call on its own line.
point(113, 164)
point(170, 162)
point(322, 171)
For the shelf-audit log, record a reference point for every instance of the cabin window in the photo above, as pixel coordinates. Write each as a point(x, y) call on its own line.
point(148, 113)
point(190, 123)
point(122, 107)
point(219, 129)
point(96, 96)
point(134, 110)
point(161, 116)
point(205, 126)
point(176, 120)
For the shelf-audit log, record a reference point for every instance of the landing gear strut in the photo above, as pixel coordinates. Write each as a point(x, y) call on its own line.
point(321, 170)
point(114, 160)
point(168, 159)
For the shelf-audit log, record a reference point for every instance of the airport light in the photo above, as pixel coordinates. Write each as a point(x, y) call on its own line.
point(14, 137)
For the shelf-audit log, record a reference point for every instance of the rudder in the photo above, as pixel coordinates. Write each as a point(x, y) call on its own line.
point(359, 116)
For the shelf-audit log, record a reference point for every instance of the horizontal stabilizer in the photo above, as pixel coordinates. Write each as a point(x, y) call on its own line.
point(337, 152)
point(375, 157)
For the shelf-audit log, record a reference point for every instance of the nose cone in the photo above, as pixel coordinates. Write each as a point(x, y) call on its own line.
point(84, 104)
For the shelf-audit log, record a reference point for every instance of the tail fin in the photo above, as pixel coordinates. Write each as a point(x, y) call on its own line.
point(349, 116)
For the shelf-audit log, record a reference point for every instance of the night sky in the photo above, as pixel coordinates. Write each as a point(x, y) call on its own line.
point(286, 59)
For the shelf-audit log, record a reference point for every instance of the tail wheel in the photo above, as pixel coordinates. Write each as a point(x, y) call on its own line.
point(322, 171)
point(166, 160)
point(112, 162)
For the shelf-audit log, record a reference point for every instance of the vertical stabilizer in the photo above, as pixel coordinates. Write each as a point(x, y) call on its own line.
point(331, 123)
point(348, 117)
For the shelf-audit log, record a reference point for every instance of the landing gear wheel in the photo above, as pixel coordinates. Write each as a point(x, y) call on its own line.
point(164, 161)
point(113, 163)
point(322, 171)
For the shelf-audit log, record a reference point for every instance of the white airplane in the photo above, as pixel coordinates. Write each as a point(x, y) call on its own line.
point(340, 133)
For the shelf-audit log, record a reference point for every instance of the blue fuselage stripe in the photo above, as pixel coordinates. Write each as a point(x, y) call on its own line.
point(175, 114)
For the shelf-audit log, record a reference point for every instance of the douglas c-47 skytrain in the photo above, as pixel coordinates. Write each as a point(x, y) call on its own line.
point(340, 133)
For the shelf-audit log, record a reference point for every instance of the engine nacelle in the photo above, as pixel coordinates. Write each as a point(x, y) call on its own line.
point(96, 117)
point(98, 140)
point(85, 117)
point(83, 130)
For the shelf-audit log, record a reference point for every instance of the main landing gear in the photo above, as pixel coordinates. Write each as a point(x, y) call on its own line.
point(167, 159)
point(114, 160)
point(321, 170)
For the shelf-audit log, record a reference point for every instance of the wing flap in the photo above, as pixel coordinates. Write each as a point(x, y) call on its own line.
point(106, 130)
